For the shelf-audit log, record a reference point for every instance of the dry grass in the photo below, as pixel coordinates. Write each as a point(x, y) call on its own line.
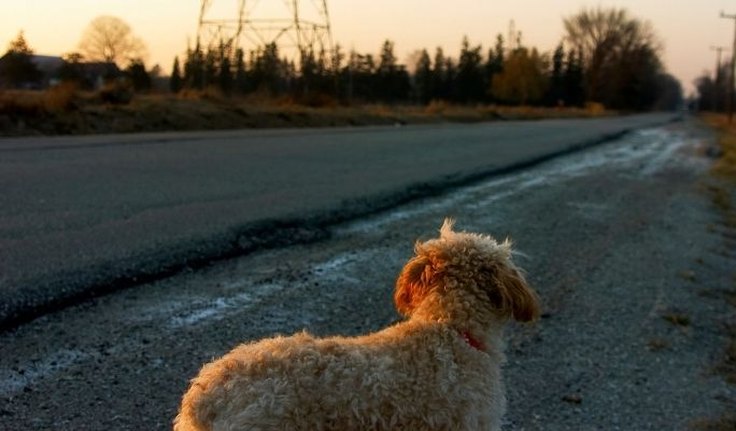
point(727, 422)
point(727, 368)
point(722, 193)
point(658, 344)
point(721, 196)
point(55, 100)
point(727, 364)
point(688, 275)
point(60, 98)
point(725, 166)
point(64, 110)
point(440, 108)
point(729, 295)
point(676, 318)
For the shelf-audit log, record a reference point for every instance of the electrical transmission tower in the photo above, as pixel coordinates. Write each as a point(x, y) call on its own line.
point(295, 27)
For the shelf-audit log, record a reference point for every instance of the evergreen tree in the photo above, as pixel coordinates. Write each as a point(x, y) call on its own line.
point(335, 71)
point(223, 68)
point(470, 74)
point(438, 76)
point(400, 85)
point(288, 76)
point(138, 76)
point(337, 60)
point(210, 68)
point(556, 94)
point(494, 65)
point(360, 77)
point(19, 45)
point(388, 60)
point(225, 76)
point(392, 80)
point(241, 75)
point(386, 72)
point(309, 73)
point(17, 68)
point(194, 68)
point(573, 79)
point(267, 70)
point(449, 81)
point(423, 78)
point(175, 82)
point(322, 71)
point(367, 72)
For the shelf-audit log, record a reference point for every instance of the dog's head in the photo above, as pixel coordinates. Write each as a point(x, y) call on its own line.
point(476, 263)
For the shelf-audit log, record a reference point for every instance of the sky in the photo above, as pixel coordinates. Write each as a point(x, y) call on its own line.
point(687, 28)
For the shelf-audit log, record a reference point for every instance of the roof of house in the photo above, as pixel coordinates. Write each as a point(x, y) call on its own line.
point(47, 63)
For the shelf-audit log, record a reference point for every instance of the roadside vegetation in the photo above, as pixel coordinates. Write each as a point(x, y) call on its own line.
point(725, 165)
point(64, 110)
point(608, 62)
point(723, 195)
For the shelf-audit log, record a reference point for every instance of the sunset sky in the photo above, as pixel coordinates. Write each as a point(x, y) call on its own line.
point(686, 27)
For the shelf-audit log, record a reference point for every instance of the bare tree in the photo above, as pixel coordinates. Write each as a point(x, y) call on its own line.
point(605, 32)
point(110, 39)
point(606, 38)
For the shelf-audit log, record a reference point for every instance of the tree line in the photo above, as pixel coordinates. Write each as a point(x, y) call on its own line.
point(713, 91)
point(519, 76)
point(607, 57)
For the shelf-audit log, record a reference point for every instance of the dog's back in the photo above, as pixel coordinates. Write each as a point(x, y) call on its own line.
point(404, 377)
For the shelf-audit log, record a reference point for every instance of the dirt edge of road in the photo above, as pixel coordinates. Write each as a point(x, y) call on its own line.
point(262, 235)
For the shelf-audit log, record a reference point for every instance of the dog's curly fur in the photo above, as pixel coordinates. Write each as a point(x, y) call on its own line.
point(437, 370)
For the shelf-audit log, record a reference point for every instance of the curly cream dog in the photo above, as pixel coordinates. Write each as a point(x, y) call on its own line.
point(437, 370)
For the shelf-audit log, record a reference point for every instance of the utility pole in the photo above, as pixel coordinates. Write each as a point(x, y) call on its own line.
point(717, 75)
point(731, 69)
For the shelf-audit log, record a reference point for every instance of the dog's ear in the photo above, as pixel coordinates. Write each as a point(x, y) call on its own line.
point(446, 231)
point(412, 284)
point(513, 296)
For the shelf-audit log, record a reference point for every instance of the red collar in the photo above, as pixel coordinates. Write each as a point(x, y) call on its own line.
point(472, 341)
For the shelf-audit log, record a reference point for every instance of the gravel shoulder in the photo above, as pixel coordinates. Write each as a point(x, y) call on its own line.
point(622, 241)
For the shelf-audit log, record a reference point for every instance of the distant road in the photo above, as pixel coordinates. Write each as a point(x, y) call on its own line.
point(84, 215)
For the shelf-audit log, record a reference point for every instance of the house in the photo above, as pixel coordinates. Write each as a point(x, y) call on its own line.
point(48, 65)
point(50, 70)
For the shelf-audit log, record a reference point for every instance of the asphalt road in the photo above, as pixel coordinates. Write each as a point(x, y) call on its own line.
point(632, 261)
point(82, 216)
